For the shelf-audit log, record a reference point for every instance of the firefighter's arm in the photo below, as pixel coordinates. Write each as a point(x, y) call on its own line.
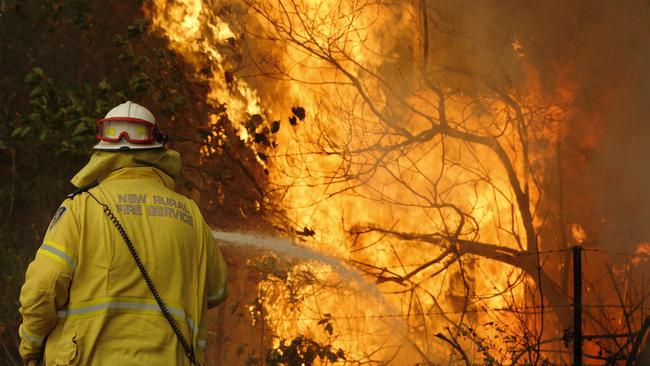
point(217, 272)
point(47, 282)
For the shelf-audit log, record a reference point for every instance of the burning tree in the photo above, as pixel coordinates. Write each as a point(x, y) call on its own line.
point(435, 170)
point(451, 153)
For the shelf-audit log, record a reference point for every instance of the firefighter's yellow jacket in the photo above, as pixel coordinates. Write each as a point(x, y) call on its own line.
point(84, 302)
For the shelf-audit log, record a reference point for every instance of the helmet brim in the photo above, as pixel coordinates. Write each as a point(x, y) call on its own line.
point(124, 145)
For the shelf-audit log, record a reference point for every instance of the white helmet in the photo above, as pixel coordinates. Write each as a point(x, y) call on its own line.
point(129, 126)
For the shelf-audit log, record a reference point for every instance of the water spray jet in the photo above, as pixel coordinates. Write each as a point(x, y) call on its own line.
point(288, 247)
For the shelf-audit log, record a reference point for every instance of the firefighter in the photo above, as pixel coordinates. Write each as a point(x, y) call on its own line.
point(85, 300)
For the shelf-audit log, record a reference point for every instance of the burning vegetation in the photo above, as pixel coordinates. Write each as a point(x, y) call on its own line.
point(419, 180)
point(441, 151)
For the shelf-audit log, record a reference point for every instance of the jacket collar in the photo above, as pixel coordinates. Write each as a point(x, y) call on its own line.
point(141, 172)
point(103, 163)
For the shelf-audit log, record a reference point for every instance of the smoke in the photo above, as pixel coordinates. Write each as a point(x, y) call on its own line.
point(602, 48)
point(595, 51)
point(607, 45)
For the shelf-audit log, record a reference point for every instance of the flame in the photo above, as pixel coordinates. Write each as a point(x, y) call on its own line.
point(303, 181)
point(641, 254)
point(518, 48)
point(578, 232)
point(196, 33)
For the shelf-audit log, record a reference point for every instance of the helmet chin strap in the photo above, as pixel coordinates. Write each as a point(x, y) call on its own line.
point(159, 136)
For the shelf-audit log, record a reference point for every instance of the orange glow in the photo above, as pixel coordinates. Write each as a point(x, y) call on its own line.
point(578, 233)
point(641, 254)
point(341, 133)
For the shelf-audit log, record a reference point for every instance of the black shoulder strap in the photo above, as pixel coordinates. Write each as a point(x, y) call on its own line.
point(187, 347)
point(92, 184)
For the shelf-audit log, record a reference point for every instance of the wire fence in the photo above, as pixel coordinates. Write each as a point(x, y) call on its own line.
point(589, 277)
point(615, 297)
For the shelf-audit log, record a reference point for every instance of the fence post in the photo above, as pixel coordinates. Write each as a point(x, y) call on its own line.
point(577, 305)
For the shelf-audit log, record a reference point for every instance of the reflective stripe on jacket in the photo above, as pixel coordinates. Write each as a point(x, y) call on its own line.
point(84, 299)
